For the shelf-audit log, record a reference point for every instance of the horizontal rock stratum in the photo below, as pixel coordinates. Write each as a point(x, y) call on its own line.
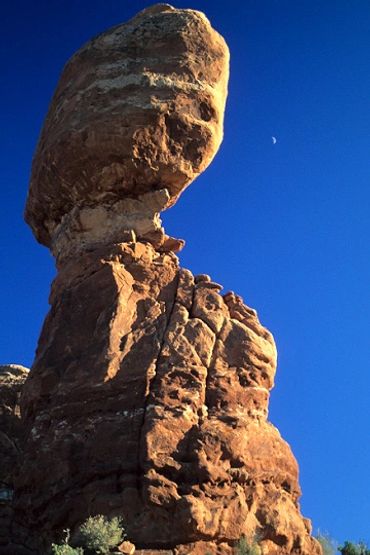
point(148, 397)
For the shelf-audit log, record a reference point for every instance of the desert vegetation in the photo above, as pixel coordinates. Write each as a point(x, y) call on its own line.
point(330, 547)
point(247, 547)
point(98, 535)
point(350, 548)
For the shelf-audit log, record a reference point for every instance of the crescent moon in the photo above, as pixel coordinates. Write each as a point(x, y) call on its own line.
point(274, 141)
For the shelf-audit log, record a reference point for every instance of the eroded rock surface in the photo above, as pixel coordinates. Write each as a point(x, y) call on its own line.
point(149, 394)
point(137, 109)
point(12, 378)
point(148, 397)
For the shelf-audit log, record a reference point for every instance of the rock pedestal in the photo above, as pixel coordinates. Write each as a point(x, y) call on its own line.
point(149, 393)
point(148, 399)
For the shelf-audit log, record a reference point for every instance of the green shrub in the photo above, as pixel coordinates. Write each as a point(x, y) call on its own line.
point(244, 547)
point(327, 544)
point(354, 549)
point(64, 548)
point(98, 534)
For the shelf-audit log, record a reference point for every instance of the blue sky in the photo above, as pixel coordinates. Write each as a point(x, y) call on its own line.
point(286, 226)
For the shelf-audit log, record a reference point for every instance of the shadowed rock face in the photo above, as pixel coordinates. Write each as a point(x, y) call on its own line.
point(137, 109)
point(148, 397)
point(12, 378)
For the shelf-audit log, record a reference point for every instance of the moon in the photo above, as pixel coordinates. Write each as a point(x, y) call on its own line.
point(274, 140)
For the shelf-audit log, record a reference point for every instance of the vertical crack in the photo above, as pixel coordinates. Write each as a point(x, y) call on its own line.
point(140, 469)
point(213, 357)
point(208, 372)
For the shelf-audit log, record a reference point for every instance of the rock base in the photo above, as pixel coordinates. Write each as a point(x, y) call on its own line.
point(148, 399)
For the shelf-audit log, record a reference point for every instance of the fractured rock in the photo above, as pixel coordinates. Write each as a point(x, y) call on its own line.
point(152, 402)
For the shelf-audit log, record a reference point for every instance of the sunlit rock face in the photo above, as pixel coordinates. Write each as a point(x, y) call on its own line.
point(137, 109)
point(148, 397)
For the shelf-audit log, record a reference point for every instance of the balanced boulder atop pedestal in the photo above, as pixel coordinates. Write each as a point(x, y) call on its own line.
point(148, 397)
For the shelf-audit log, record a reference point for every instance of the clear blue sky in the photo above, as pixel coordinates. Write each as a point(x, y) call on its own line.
point(286, 225)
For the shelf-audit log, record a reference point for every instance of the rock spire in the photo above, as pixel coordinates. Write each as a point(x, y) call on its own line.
point(148, 396)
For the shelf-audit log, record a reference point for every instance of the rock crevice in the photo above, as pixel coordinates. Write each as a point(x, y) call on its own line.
point(177, 433)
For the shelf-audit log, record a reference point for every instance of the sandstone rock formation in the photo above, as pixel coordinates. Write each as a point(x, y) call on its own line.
point(151, 403)
point(149, 393)
point(138, 109)
point(12, 378)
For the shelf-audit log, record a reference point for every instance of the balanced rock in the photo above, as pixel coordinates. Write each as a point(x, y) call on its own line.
point(148, 397)
point(138, 111)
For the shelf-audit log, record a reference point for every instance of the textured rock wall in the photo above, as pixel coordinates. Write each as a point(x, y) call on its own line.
point(151, 403)
point(12, 378)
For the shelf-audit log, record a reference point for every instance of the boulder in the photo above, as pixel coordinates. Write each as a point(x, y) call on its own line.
point(138, 109)
point(127, 548)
